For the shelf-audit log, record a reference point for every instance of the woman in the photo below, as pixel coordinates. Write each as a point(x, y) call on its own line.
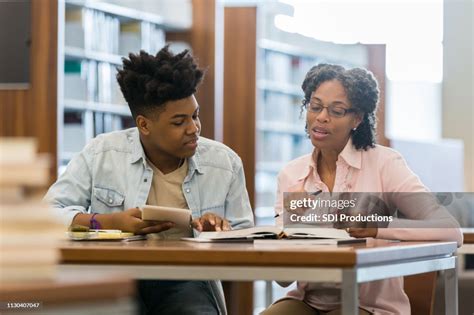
point(340, 122)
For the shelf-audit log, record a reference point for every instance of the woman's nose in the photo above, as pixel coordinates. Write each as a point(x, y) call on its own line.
point(323, 116)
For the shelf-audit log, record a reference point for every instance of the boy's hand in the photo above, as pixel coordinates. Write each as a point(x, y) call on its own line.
point(211, 222)
point(131, 221)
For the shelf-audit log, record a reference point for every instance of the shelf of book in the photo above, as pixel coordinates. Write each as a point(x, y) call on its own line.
point(124, 14)
point(279, 87)
point(117, 109)
point(74, 53)
point(93, 38)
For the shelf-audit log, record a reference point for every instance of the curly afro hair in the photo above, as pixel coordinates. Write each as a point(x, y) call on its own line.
point(362, 91)
point(148, 82)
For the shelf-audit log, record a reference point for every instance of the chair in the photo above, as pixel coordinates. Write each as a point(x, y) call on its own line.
point(421, 290)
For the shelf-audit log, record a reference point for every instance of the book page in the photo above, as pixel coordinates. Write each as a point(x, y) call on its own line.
point(253, 232)
point(329, 233)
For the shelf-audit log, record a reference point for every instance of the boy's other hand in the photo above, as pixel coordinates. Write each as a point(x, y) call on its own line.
point(211, 222)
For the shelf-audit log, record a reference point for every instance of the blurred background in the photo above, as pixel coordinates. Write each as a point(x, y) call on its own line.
point(59, 59)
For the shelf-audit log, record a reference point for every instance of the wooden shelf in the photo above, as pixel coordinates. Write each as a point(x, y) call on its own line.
point(287, 49)
point(117, 109)
point(125, 14)
point(74, 53)
point(271, 126)
point(278, 87)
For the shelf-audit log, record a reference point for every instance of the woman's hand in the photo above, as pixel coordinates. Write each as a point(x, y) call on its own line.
point(293, 194)
point(211, 222)
point(362, 232)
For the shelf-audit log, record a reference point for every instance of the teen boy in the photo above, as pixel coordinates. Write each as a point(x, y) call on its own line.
point(162, 161)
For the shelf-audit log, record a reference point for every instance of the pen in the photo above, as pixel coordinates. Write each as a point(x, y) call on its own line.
point(134, 238)
point(316, 193)
point(312, 193)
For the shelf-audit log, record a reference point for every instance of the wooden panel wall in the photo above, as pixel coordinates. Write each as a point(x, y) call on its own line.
point(377, 66)
point(32, 112)
point(239, 116)
point(240, 87)
point(203, 42)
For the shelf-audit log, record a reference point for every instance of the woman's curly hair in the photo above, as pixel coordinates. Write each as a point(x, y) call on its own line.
point(362, 91)
point(148, 82)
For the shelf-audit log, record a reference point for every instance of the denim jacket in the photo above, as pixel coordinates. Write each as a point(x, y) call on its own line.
point(111, 174)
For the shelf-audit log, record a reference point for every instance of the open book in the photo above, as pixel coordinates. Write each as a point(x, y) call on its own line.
point(102, 235)
point(273, 232)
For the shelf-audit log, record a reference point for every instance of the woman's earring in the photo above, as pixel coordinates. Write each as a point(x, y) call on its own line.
point(354, 129)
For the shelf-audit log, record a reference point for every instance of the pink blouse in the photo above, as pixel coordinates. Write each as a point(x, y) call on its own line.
point(378, 169)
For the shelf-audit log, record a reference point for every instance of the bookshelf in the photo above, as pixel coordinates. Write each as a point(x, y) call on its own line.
point(93, 36)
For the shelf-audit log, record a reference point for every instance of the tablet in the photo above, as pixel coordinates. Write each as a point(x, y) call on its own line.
point(181, 217)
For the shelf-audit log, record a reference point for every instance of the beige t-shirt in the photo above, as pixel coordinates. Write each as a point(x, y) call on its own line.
point(166, 190)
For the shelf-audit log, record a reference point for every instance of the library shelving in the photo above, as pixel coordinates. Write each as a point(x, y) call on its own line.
point(93, 36)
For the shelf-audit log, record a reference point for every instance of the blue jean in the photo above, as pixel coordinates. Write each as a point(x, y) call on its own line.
point(176, 297)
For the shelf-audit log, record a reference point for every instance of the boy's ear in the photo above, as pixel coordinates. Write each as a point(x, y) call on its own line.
point(143, 124)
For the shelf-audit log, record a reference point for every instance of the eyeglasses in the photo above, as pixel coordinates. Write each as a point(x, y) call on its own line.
point(333, 111)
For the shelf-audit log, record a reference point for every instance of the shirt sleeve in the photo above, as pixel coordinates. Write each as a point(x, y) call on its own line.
point(424, 218)
point(71, 193)
point(238, 210)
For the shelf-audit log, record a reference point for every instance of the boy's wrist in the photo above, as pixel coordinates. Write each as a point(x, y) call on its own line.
point(106, 221)
point(81, 219)
point(94, 223)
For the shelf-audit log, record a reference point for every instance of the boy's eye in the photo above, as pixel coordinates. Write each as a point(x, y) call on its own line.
point(177, 123)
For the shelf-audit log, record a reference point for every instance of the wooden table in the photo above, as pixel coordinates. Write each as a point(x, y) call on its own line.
point(179, 260)
point(468, 245)
point(76, 293)
point(468, 235)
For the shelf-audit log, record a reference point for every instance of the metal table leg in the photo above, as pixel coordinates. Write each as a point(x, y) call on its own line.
point(451, 290)
point(350, 292)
